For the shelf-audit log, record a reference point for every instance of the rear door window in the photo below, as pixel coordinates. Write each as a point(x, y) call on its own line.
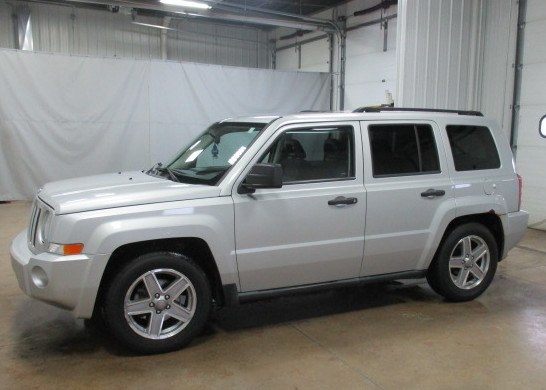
point(473, 148)
point(403, 149)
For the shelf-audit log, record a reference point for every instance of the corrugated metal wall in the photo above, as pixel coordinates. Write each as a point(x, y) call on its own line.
point(437, 53)
point(70, 30)
point(458, 54)
point(219, 44)
point(7, 38)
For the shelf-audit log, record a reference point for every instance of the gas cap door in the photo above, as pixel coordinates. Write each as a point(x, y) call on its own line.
point(489, 187)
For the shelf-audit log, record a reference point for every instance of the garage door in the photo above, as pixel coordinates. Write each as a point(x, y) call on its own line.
point(531, 147)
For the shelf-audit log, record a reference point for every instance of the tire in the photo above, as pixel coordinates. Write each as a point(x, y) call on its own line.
point(465, 264)
point(157, 303)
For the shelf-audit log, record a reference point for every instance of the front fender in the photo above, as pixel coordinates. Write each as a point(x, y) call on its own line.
point(103, 231)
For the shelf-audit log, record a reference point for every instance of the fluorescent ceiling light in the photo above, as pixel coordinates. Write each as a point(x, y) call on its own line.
point(153, 25)
point(186, 3)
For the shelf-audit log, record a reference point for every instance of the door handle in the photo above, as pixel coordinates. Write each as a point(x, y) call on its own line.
point(342, 201)
point(431, 193)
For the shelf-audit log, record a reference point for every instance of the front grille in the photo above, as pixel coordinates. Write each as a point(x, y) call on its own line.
point(33, 223)
point(38, 226)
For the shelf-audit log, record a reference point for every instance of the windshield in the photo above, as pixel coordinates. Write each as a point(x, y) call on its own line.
point(211, 154)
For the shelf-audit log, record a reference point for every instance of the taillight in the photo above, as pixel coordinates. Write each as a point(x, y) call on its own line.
point(520, 182)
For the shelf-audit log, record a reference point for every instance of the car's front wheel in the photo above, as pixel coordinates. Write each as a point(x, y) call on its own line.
point(465, 263)
point(158, 302)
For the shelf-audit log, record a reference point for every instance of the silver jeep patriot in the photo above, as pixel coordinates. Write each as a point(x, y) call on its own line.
point(263, 206)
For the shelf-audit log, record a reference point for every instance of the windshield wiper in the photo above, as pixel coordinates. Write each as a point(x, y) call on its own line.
point(172, 173)
point(159, 168)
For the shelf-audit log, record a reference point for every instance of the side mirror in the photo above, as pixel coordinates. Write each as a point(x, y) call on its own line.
point(542, 126)
point(262, 176)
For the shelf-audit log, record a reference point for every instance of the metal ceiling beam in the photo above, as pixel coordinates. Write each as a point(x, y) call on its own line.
point(270, 22)
point(299, 22)
point(240, 7)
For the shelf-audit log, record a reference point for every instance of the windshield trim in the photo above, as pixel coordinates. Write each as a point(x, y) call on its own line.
point(260, 134)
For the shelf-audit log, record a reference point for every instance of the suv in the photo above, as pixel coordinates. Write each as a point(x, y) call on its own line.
point(263, 206)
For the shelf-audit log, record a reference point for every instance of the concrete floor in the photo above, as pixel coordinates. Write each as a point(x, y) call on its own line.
point(390, 336)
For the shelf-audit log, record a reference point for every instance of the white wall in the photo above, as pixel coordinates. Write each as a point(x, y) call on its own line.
point(288, 59)
point(315, 56)
point(497, 71)
point(369, 70)
point(308, 57)
point(531, 147)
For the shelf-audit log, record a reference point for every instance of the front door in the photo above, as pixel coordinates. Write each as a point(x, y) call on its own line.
point(312, 229)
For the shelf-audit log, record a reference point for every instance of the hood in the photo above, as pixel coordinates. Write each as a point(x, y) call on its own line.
point(118, 190)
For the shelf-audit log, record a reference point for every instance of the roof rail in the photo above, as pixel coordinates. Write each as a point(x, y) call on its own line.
point(380, 109)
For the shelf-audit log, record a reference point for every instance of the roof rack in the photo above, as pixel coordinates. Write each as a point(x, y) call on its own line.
point(380, 109)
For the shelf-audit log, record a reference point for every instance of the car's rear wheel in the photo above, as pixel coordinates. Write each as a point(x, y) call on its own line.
point(158, 302)
point(465, 263)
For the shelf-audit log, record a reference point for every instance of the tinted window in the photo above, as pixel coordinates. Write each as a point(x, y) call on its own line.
point(314, 154)
point(404, 149)
point(473, 148)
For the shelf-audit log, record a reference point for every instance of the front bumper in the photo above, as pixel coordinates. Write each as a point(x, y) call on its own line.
point(58, 280)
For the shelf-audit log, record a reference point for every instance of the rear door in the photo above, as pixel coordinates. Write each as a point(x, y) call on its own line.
point(409, 191)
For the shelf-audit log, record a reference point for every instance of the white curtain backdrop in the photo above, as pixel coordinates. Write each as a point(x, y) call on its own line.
point(64, 116)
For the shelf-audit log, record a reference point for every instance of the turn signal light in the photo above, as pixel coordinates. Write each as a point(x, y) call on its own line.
point(73, 249)
point(66, 249)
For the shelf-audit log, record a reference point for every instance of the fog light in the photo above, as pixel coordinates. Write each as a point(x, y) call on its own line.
point(39, 277)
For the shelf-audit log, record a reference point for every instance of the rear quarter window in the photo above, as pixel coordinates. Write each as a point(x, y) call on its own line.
point(473, 148)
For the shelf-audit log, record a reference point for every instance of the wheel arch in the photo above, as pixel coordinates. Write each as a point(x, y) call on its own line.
point(490, 220)
point(195, 248)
